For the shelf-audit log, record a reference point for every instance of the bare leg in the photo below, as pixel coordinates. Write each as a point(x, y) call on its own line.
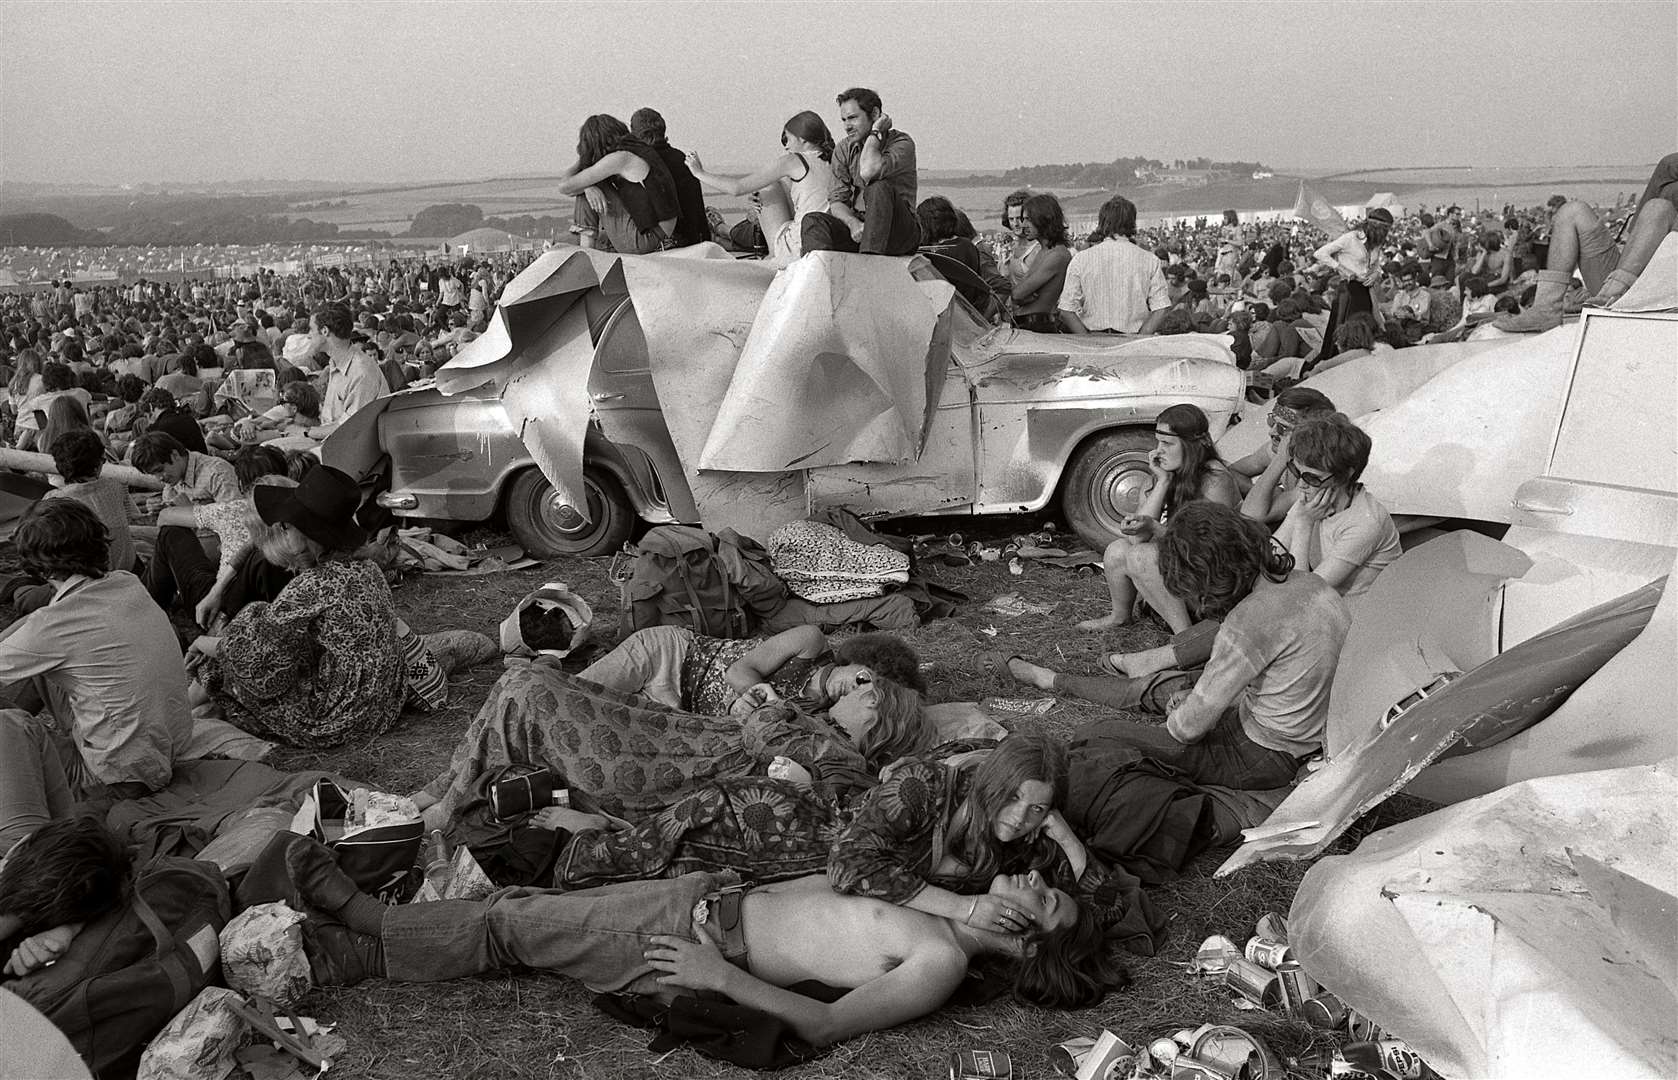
point(1032, 674)
point(1144, 572)
point(1571, 222)
point(1655, 219)
point(1146, 662)
point(774, 212)
point(1114, 564)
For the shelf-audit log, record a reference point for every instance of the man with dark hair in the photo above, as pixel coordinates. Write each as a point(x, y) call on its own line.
point(1258, 708)
point(691, 226)
point(1336, 529)
point(188, 476)
point(165, 416)
point(1114, 286)
point(105, 662)
point(79, 456)
point(1272, 492)
point(54, 877)
point(353, 378)
point(871, 208)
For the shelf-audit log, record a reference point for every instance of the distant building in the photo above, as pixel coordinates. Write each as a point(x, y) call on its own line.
point(1262, 174)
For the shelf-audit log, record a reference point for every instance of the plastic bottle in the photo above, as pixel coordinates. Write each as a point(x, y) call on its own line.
point(439, 869)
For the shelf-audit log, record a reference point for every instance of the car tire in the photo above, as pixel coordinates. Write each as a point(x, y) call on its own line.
point(1107, 479)
point(537, 526)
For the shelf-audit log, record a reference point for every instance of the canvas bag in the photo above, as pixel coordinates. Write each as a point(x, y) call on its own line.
point(131, 970)
point(557, 594)
point(719, 585)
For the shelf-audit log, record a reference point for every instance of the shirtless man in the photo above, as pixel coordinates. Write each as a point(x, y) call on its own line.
point(697, 932)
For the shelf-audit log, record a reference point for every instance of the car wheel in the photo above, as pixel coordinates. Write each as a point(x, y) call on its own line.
point(1107, 480)
point(548, 529)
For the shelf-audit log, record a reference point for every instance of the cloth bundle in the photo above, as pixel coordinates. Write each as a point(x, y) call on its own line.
point(821, 564)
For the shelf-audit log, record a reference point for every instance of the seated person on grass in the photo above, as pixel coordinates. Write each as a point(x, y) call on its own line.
point(55, 876)
point(1336, 529)
point(188, 476)
point(102, 659)
point(1269, 495)
point(161, 413)
point(296, 413)
point(119, 422)
point(1258, 708)
point(693, 933)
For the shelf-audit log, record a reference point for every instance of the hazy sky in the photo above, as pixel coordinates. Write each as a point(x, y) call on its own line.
point(138, 91)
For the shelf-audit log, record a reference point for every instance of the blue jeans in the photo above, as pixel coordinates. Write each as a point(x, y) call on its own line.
point(596, 936)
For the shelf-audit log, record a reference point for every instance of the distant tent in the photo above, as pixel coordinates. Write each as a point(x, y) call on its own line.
point(8, 280)
point(487, 239)
point(1386, 200)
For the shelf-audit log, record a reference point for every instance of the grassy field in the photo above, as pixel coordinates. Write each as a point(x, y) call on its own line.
point(541, 1026)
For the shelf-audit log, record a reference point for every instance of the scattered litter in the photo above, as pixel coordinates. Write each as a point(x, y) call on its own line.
point(1013, 604)
point(423, 550)
point(1023, 706)
point(1015, 566)
point(1214, 956)
point(989, 631)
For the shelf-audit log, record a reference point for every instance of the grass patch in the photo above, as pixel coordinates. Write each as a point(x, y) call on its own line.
point(536, 1025)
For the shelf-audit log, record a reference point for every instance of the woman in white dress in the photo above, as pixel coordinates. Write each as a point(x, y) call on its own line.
point(795, 183)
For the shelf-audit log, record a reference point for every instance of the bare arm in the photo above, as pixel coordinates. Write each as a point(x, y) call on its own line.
point(617, 163)
point(1048, 265)
point(772, 654)
point(1263, 502)
point(1071, 323)
point(781, 168)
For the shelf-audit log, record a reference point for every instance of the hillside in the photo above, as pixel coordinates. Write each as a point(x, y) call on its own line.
point(40, 230)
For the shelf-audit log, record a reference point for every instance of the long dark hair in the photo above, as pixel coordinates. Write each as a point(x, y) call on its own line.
point(1210, 555)
point(810, 127)
point(1069, 968)
point(1047, 218)
point(1190, 425)
point(600, 135)
point(996, 781)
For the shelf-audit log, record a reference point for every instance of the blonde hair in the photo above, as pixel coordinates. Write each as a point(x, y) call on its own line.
point(900, 727)
point(281, 545)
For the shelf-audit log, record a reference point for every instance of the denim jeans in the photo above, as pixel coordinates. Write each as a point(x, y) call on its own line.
point(1225, 756)
point(39, 774)
point(596, 936)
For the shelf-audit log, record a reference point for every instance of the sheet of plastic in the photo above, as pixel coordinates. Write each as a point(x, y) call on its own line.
point(1656, 288)
point(1523, 933)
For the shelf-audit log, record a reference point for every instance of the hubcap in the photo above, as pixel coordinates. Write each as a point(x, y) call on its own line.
point(1119, 489)
point(564, 519)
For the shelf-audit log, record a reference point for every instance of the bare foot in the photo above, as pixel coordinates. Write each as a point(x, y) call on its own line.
point(1146, 662)
point(1106, 622)
point(1031, 674)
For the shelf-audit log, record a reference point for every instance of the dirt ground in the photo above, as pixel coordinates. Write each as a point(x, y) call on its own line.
point(534, 1025)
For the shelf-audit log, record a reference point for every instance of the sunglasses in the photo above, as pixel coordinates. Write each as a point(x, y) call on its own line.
point(1305, 479)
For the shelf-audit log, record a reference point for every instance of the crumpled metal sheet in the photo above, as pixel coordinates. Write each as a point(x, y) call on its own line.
point(1524, 933)
point(833, 370)
point(1656, 288)
point(1515, 691)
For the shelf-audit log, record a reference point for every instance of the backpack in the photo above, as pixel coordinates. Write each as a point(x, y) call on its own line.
point(127, 974)
point(719, 585)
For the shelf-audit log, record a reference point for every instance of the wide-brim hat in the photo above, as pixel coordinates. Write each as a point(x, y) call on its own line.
point(1381, 214)
point(322, 507)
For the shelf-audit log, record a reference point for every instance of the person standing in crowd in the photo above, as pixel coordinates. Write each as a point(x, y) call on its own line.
point(1114, 286)
point(625, 193)
point(1037, 265)
point(871, 208)
point(353, 378)
point(796, 184)
point(691, 228)
point(1356, 256)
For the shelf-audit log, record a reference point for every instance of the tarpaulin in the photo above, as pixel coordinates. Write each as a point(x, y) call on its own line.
point(1528, 932)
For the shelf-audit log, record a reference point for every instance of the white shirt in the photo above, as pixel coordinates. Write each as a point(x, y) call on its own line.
point(1113, 286)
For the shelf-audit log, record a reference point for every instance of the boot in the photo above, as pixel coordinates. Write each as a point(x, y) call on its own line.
point(1545, 312)
point(1613, 287)
point(457, 650)
point(338, 956)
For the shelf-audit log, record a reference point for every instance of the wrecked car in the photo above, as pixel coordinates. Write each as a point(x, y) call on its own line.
point(611, 390)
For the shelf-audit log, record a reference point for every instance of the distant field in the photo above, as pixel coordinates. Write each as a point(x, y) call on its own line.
point(390, 209)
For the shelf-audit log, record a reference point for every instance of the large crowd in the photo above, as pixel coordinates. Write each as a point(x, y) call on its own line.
point(808, 766)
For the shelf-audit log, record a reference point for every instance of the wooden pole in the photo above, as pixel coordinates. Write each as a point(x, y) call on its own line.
point(42, 463)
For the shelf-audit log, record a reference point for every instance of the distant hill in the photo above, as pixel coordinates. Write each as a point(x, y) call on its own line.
point(37, 230)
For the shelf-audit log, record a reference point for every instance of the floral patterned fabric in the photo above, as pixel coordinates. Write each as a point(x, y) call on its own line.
point(766, 830)
point(318, 665)
point(707, 692)
point(632, 756)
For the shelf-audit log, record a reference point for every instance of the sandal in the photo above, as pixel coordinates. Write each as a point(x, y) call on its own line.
point(998, 665)
point(1106, 665)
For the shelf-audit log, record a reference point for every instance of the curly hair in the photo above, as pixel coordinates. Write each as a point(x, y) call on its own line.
point(900, 727)
point(1189, 424)
point(78, 455)
point(996, 783)
point(68, 871)
point(62, 537)
point(938, 219)
point(886, 655)
point(155, 449)
point(1068, 968)
point(1047, 219)
point(1210, 555)
point(251, 463)
point(1335, 445)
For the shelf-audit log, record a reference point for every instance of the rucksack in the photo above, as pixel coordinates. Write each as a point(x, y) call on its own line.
point(719, 585)
point(131, 970)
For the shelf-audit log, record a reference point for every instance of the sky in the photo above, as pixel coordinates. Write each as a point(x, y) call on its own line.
point(137, 92)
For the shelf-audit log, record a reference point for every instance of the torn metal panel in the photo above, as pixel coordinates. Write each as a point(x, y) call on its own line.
point(1510, 692)
point(1496, 936)
point(835, 369)
point(1656, 288)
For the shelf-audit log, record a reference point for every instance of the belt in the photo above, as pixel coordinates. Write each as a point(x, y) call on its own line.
point(719, 913)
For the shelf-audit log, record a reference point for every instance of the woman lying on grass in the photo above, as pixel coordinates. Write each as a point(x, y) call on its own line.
point(840, 721)
point(695, 932)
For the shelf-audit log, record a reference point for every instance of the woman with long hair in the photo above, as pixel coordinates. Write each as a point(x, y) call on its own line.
point(625, 193)
point(1186, 466)
point(1355, 256)
point(795, 183)
point(1037, 267)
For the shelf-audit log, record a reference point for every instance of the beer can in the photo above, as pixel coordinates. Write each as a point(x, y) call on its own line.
point(1068, 1057)
point(1270, 954)
point(975, 550)
point(1259, 985)
point(1325, 1011)
point(956, 540)
point(1398, 1059)
point(1272, 927)
point(981, 1065)
point(1214, 956)
point(1297, 987)
point(1360, 1027)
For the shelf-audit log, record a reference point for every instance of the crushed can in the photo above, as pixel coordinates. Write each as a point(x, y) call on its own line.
point(1106, 1057)
point(1272, 927)
point(1214, 956)
point(1259, 985)
point(981, 1065)
point(1325, 1012)
point(1268, 953)
point(1360, 1027)
point(1297, 987)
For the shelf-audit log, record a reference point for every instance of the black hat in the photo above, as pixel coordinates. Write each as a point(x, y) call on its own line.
point(1381, 214)
point(322, 508)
